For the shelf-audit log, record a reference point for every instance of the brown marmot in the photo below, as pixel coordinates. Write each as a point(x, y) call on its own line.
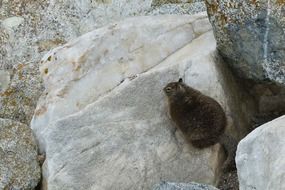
point(201, 119)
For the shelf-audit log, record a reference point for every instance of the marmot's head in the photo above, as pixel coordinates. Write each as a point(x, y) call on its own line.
point(174, 89)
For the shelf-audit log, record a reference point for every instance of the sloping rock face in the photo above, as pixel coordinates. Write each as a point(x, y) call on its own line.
point(19, 168)
point(260, 157)
point(105, 58)
point(183, 186)
point(250, 35)
point(102, 120)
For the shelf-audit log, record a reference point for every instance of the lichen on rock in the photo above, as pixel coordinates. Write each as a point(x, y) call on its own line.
point(250, 35)
point(19, 168)
point(19, 98)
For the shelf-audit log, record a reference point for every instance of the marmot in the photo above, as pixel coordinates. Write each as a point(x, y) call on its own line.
point(201, 119)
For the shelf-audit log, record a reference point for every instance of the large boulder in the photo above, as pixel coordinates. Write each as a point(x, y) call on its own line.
point(87, 68)
point(28, 29)
point(19, 168)
point(250, 35)
point(102, 120)
point(260, 157)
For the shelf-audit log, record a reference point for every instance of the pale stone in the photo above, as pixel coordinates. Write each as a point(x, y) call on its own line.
point(260, 157)
point(103, 120)
point(12, 22)
point(201, 26)
point(4, 80)
point(85, 69)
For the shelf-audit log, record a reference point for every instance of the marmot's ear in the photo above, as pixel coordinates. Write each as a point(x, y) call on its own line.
point(180, 80)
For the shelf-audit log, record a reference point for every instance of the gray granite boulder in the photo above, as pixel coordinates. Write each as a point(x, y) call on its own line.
point(183, 186)
point(19, 168)
point(103, 119)
point(250, 35)
point(260, 157)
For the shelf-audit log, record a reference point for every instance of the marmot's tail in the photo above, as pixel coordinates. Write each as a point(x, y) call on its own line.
point(230, 146)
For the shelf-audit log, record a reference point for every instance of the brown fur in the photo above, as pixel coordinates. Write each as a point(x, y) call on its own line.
point(200, 118)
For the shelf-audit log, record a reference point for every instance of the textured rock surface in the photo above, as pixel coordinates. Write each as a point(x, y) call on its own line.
point(30, 28)
point(19, 168)
point(250, 34)
point(260, 157)
point(4, 80)
point(109, 114)
point(18, 100)
point(177, 7)
point(183, 186)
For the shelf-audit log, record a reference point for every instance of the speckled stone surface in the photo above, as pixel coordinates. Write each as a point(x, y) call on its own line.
point(183, 186)
point(178, 8)
point(250, 35)
point(19, 168)
point(19, 97)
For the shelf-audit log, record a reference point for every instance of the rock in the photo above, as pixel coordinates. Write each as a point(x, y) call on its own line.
point(102, 121)
point(183, 186)
point(4, 80)
point(43, 25)
point(161, 2)
point(250, 35)
point(18, 100)
point(229, 181)
point(113, 53)
point(12, 22)
point(19, 168)
point(176, 7)
point(259, 158)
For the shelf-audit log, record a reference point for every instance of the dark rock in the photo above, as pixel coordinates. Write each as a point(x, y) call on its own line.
point(250, 36)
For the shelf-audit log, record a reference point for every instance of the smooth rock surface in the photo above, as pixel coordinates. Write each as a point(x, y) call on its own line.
point(183, 186)
point(103, 120)
point(250, 35)
point(12, 22)
point(85, 69)
point(19, 168)
point(260, 157)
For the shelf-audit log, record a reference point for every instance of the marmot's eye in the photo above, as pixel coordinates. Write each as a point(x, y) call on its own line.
point(168, 89)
